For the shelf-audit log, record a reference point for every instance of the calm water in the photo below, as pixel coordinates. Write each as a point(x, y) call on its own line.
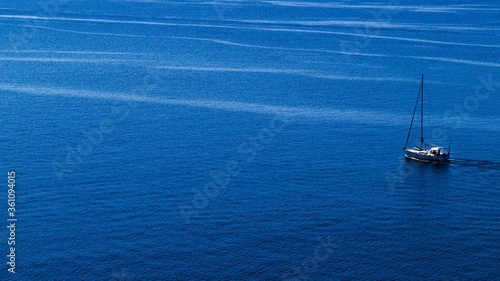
point(249, 140)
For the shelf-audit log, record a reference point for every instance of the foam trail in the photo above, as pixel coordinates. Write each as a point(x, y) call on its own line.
point(475, 162)
point(375, 37)
point(426, 41)
point(368, 24)
point(70, 60)
point(480, 63)
point(234, 69)
point(349, 34)
point(301, 72)
point(232, 43)
point(213, 40)
point(74, 52)
point(91, 20)
point(88, 32)
point(313, 113)
point(415, 8)
point(359, 78)
point(460, 61)
point(330, 114)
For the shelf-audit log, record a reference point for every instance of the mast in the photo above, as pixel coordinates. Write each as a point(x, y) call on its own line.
point(422, 115)
point(413, 116)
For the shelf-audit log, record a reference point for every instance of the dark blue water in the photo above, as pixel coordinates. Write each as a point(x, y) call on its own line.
point(249, 140)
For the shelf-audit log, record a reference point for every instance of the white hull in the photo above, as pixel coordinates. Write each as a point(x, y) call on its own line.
point(427, 155)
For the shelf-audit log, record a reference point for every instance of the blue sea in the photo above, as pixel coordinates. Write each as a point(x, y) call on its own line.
point(248, 140)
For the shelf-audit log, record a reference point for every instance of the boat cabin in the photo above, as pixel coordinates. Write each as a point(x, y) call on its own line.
point(435, 150)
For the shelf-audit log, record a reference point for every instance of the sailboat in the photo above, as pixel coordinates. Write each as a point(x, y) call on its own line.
point(421, 153)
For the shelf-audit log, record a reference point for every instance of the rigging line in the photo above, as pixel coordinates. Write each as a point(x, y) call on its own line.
point(413, 117)
point(422, 115)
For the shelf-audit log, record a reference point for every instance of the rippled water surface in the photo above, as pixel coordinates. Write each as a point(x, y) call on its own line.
point(249, 140)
